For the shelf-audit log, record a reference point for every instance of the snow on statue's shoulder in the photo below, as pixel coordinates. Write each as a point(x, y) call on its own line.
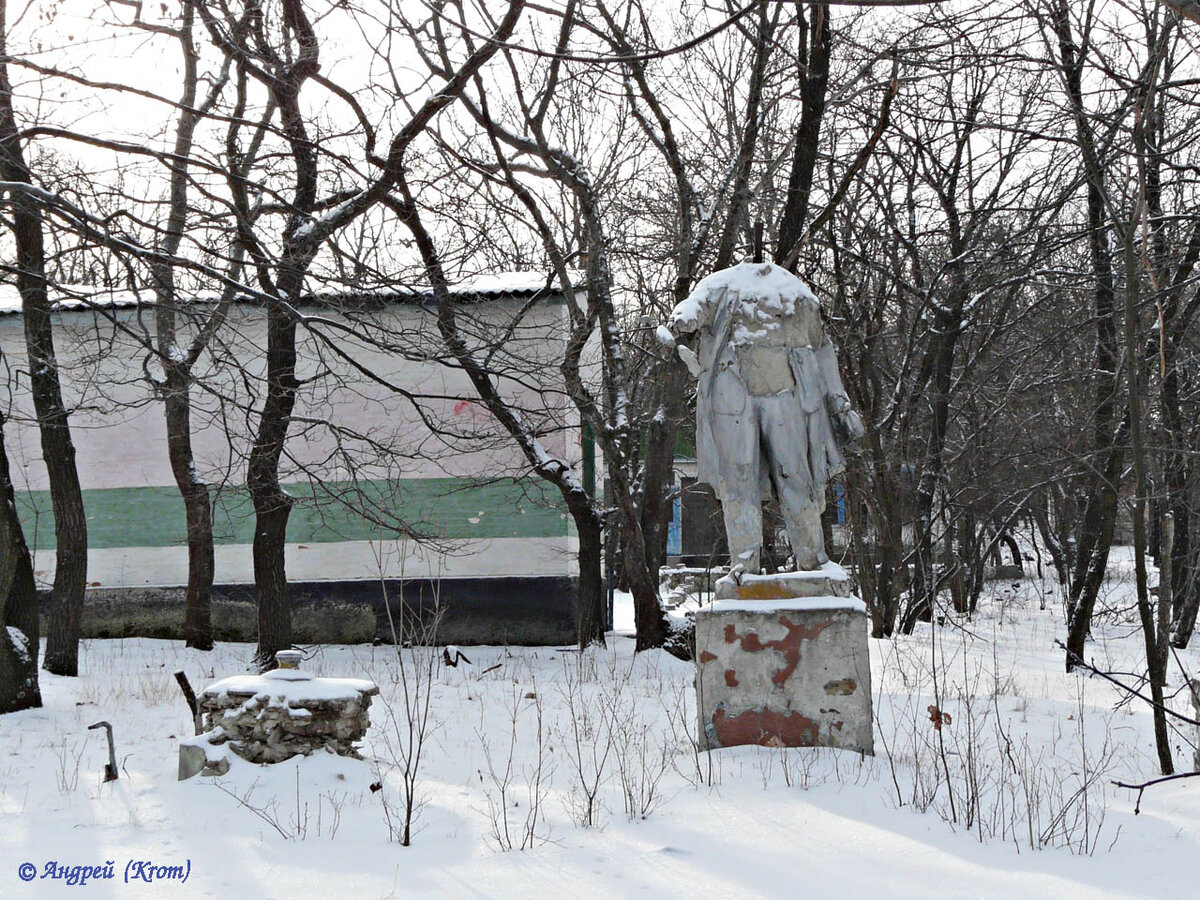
point(757, 279)
point(749, 280)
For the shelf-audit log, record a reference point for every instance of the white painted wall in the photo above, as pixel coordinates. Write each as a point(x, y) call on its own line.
point(347, 425)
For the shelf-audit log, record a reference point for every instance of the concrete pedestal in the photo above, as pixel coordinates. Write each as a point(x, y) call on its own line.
point(782, 660)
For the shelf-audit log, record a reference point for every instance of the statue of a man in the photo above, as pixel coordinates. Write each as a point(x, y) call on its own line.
point(771, 412)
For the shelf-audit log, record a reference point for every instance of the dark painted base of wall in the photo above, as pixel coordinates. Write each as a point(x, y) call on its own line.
point(516, 611)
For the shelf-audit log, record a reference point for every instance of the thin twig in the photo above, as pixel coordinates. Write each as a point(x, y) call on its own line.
point(1079, 661)
point(258, 811)
point(1140, 788)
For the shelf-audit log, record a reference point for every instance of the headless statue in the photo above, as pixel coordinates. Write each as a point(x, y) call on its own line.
point(772, 415)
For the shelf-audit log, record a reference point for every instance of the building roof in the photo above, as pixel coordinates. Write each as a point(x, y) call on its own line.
point(489, 286)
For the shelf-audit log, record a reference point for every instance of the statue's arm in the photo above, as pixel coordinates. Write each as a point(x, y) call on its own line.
point(846, 422)
point(667, 337)
point(688, 317)
point(693, 313)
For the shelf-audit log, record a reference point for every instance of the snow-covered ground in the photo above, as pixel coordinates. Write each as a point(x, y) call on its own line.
point(1029, 751)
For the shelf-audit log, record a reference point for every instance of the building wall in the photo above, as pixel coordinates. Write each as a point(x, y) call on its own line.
point(398, 472)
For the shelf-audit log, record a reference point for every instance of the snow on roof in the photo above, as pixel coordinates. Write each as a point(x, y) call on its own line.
point(68, 297)
point(496, 284)
point(526, 282)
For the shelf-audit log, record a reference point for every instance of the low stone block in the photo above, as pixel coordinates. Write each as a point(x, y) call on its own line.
point(784, 672)
point(692, 579)
point(280, 714)
point(195, 759)
point(831, 580)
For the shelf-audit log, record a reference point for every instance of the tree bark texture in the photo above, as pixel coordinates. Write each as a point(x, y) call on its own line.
point(272, 506)
point(58, 451)
point(177, 367)
point(592, 608)
point(813, 89)
point(1100, 513)
point(19, 624)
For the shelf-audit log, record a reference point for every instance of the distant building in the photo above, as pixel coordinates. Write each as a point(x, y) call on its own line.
point(421, 487)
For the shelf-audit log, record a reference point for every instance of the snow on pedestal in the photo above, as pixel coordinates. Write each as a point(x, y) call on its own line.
point(782, 660)
point(271, 717)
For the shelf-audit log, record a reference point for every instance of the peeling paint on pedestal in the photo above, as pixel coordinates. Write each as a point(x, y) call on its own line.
point(766, 727)
point(789, 646)
point(767, 676)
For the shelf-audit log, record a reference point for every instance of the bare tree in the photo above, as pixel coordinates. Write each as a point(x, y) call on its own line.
point(283, 56)
point(19, 626)
point(178, 364)
point(58, 450)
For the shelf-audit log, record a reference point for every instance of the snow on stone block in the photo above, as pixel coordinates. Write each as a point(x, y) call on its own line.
point(272, 717)
point(291, 686)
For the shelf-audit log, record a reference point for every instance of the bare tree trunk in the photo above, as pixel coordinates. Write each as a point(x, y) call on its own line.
point(1152, 631)
point(658, 463)
point(1157, 672)
point(1054, 546)
point(1096, 536)
point(591, 610)
point(939, 362)
point(1014, 551)
point(197, 623)
point(926, 579)
point(1099, 518)
point(177, 367)
point(1187, 601)
point(272, 506)
point(284, 71)
point(58, 451)
point(648, 613)
point(18, 604)
point(816, 40)
point(739, 203)
point(1158, 645)
point(1178, 464)
point(640, 501)
point(19, 645)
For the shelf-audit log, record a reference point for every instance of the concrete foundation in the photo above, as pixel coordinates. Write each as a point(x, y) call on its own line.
point(788, 671)
point(527, 611)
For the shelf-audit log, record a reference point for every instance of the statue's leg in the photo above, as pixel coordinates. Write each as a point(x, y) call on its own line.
point(804, 530)
point(737, 443)
point(743, 525)
point(785, 431)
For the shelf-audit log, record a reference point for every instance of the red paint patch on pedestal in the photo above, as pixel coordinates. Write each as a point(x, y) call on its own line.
point(767, 727)
point(731, 678)
point(788, 645)
point(706, 657)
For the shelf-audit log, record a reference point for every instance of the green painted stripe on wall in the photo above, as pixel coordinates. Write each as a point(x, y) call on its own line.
point(449, 508)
